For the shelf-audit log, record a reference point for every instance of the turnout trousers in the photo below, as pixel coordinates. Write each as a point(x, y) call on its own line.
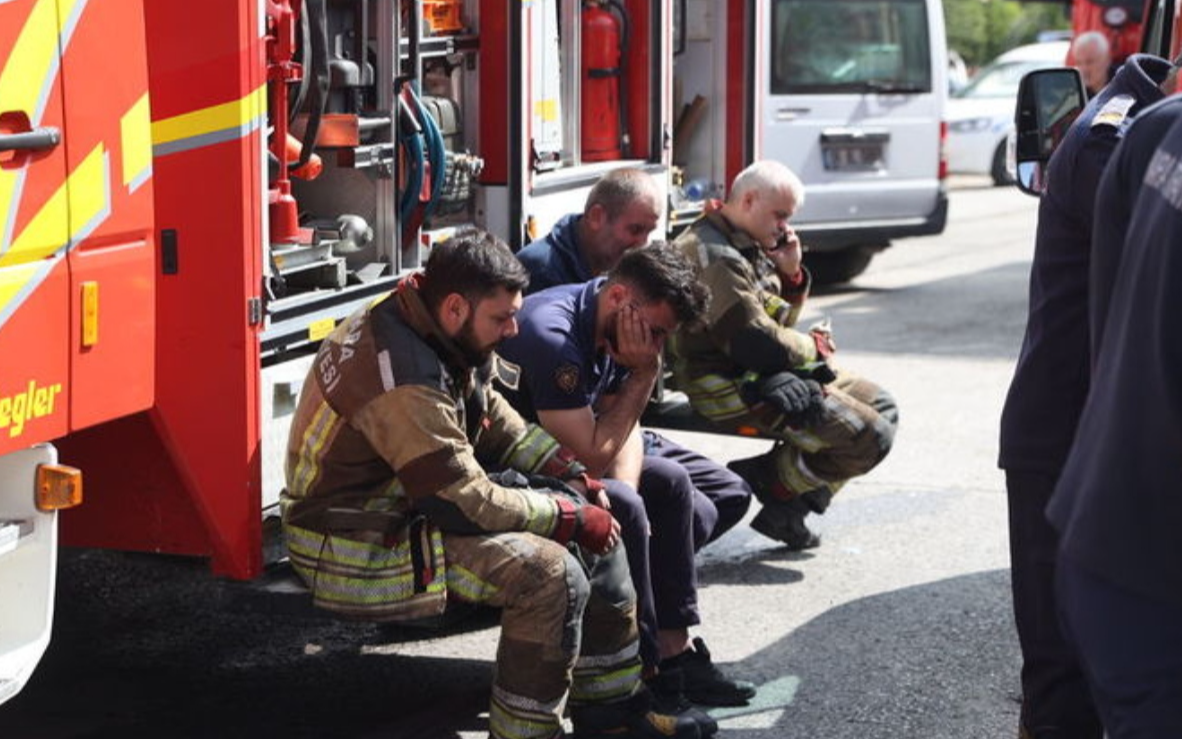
point(856, 430)
point(568, 626)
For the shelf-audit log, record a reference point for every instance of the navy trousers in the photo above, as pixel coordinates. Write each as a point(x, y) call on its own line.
point(1056, 701)
point(1131, 650)
point(686, 500)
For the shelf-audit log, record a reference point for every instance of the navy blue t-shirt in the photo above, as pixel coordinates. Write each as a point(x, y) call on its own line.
point(555, 259)
point(1118, 504)
point(561, 369)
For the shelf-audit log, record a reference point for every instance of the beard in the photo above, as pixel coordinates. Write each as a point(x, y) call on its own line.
point(474, 353)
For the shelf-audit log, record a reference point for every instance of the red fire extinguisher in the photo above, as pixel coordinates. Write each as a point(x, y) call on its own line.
point(603, 46)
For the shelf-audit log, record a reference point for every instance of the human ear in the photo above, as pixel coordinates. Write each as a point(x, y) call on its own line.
point(453, 312)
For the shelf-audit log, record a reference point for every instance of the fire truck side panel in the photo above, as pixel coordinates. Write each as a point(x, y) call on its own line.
point(195, 461)
point(112, 259)
point(34, 229)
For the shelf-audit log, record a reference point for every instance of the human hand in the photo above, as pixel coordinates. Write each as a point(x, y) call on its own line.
point(636, 347)
point(786, 254)
point(822, 333)
point(597, 531)
point(800, 401)
point(592, 490)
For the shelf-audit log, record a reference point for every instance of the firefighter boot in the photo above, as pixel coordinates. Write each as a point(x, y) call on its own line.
point(637, 717)
point(668, 689)
point(782, 517)
point(704, 682)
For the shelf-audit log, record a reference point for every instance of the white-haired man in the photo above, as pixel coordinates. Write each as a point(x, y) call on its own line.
point(749, 367)
point(1093, 58)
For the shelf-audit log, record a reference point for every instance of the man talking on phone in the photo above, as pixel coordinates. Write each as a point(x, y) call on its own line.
point(749, 368)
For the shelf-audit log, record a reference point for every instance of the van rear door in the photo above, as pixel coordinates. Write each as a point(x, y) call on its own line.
point(854, 99)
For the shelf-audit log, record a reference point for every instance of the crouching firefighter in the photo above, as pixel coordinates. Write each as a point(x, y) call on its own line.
point(749, 370)
point(390, 515)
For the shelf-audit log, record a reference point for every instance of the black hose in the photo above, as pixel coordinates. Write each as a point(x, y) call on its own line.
point(317, 69)
point(296, 100)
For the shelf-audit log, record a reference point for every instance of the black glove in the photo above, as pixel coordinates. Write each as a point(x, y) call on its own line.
point(819, 371)
point(800, 401)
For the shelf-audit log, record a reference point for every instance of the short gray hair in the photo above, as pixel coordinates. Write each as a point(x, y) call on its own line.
point(767, 174)
point(619, 188)
point(1091, 38)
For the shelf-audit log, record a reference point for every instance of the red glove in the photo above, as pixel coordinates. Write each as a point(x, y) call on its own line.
point(588, 526)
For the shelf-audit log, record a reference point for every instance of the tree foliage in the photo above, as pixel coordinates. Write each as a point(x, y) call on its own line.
point(982, 29)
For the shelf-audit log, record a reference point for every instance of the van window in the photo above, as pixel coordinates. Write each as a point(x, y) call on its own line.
point(850, 46)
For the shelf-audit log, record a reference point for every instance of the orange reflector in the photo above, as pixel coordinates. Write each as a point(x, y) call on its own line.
point(748, 431)
point(58, 487)
point(90, 313)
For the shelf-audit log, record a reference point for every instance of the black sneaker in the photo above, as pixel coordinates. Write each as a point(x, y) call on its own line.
point(668, 689)
point(635, 718)
point(783, 520)
point(704, 683)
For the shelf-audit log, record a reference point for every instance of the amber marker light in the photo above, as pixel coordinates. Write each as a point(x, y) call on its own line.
point(58, 487)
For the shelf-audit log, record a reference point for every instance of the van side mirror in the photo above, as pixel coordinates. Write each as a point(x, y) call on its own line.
point(1049, 101)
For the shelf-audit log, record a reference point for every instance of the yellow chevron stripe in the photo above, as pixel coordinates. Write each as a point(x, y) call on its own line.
point(12, 280)
point(87, 186)
point(135, 130)
point(24, 78)
point(236, 114)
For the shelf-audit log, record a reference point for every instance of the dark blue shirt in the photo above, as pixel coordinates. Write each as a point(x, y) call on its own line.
point(1118, 504)
point(1051, 377)
point(561, 368)
point(555, 259)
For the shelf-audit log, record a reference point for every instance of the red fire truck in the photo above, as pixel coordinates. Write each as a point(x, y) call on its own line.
point(1131, 25)
point(193, 194)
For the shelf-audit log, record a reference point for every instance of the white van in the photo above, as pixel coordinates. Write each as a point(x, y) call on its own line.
point(853, 102)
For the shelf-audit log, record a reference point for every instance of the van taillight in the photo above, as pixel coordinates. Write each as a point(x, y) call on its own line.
point(942, 172)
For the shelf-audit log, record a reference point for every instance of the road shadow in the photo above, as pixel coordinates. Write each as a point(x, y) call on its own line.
point(934, 660)
point(145, 646)
point(151, 652)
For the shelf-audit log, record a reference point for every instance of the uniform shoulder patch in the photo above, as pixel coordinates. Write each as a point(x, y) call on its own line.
point(507, 373)
point(566, 378)
point(1114, 111)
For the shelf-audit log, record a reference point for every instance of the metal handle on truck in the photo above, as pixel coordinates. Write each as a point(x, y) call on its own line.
point(38, 138)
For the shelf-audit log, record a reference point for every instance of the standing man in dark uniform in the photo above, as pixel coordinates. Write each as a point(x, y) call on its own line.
point(1048, 391)
point(1118, 505)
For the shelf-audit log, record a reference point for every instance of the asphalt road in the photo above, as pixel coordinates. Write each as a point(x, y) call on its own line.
point(898, 626)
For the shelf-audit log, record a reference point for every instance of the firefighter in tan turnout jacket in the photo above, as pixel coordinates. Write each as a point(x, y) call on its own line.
point(389, 512)
point(750, 369)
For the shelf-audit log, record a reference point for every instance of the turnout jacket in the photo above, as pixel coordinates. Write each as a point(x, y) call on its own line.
point(388, 451)
point(748, 326)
